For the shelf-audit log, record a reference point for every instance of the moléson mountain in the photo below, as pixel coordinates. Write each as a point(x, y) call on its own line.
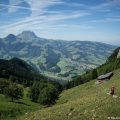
point(55, 57)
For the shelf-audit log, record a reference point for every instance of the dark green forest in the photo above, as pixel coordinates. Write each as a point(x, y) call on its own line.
point(19, 74)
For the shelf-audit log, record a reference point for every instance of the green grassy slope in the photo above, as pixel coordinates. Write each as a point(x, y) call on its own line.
point(84, 102)
point(11, 110)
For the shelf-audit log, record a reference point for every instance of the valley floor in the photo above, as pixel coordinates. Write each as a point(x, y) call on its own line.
point(84, 102)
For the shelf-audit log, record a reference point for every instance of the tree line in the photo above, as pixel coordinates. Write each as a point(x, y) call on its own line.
point(43, 92)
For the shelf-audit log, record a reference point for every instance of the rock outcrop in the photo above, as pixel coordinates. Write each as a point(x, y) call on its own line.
point(118, 56)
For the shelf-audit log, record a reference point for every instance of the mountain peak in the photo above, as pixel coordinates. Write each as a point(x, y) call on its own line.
point(28, 32)
point(11, 37)
point(27, 35)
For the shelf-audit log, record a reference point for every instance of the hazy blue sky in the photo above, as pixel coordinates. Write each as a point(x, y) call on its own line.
point(97, 20)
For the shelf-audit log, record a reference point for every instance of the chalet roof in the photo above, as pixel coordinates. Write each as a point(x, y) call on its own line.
point(105, 76)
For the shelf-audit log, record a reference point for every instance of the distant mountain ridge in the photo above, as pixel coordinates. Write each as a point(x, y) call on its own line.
point(55, 57)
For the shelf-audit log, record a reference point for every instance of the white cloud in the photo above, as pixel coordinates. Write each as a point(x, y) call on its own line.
point(107, 5)
point(38, 6)
point(43, 22)
point(13, 3)
point(107, 20)
point(29, 21)
point(13, 6)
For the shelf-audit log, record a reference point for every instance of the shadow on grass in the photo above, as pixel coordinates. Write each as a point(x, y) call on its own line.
point(19, 102)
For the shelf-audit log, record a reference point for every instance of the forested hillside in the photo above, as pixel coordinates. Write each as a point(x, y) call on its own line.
point(23, 89)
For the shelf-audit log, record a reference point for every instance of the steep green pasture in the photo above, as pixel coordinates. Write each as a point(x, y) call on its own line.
point(84, 102)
